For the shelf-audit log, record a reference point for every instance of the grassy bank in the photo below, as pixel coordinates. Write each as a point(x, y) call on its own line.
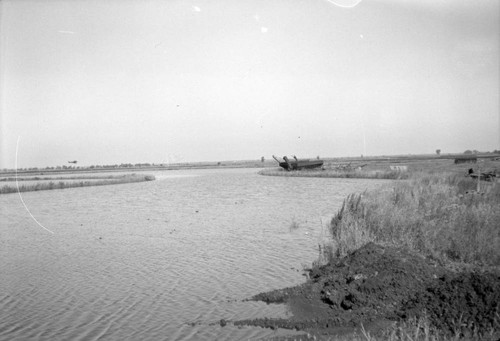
point(441, 216)
point(53, 178)
point(421, 254)
point(333, 173)
point(95, 181)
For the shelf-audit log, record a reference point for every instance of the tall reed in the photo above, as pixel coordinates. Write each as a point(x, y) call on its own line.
point(438, 215)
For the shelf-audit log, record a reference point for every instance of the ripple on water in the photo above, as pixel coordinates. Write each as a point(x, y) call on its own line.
point(167, 258)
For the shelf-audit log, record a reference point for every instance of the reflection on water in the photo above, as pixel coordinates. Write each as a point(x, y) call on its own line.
point(159, 260)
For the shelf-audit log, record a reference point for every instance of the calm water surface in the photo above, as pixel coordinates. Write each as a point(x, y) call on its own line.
point(161, 260)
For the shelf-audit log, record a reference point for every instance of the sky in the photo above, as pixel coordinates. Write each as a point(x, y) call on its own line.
point(154, 81)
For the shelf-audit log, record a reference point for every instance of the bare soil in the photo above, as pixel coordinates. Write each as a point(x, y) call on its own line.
point(377, 285)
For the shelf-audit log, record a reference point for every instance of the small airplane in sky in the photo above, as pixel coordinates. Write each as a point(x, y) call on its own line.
point(73, 162)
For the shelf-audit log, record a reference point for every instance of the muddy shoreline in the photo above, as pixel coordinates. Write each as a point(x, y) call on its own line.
point(376, 286)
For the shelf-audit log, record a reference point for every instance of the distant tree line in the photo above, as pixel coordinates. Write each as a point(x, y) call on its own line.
point(147, 164)
point(470, 152)
point(64, 167)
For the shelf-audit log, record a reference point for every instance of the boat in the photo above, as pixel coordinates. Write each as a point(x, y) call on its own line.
point(297, 164)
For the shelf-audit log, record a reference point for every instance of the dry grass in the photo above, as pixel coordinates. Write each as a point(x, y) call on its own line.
point(53, 178)
point(41, 186)
point(437, 215)
point(332, 173)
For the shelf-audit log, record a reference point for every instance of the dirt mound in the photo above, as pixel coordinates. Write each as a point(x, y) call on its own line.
point(464, 303)
point(377, 284)
point(374, 280)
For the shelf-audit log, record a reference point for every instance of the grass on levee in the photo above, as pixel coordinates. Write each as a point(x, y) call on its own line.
point(442, 216)
point(333, 173)
point(96, 181)
point(74, 177)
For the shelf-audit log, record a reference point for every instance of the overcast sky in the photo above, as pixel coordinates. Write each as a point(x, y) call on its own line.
point(106, 82)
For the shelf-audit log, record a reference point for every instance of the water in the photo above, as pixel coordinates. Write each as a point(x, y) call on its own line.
point(161, 260)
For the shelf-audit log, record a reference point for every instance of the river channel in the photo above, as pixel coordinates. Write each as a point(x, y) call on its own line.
point(160, 260)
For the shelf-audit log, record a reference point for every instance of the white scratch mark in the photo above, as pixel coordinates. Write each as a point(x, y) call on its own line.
point(264, 29)
point(21, 197)
point(196, 9)
point(66, 32)
point(361, 36)
point(345, 3)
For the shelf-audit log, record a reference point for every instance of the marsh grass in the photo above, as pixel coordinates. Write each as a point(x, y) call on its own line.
point(41, 186)
point(437, 215)
point(76, 177)
point(325, 255)
point(344, 174)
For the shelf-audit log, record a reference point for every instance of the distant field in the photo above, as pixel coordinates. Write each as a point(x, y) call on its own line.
point(115, 169)
point(381, 169)
point(268, 162)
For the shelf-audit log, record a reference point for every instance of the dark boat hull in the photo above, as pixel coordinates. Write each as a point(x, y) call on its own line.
point(301, 164)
